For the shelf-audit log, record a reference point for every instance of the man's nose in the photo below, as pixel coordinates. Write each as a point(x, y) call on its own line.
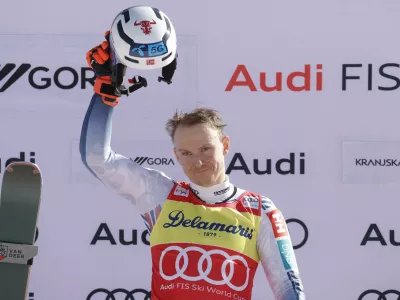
point(198, 162)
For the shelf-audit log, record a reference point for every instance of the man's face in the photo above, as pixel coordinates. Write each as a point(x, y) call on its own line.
point(201, 153)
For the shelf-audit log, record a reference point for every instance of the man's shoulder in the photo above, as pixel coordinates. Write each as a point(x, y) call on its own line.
point(267, 204)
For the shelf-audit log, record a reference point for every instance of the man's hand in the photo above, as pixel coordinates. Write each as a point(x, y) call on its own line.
point(109, 78)
point(98, 58)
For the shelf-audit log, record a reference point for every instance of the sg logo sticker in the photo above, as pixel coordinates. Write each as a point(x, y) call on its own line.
point(148, 50)
point(157, 49)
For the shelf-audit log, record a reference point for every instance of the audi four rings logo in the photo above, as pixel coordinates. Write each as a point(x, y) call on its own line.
point(136, 294)
point(203, 274)
point(378, 295)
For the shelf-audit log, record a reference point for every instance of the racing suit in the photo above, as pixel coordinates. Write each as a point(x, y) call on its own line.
point(206, 243)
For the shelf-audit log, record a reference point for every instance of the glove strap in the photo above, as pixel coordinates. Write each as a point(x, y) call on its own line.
point(104, 88)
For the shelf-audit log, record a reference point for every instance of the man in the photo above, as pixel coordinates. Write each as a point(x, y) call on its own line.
point(208, 235)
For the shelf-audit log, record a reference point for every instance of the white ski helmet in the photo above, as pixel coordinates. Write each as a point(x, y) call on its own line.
point(142, 37)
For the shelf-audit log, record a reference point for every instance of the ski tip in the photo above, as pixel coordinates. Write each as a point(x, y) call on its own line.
point(35, 167)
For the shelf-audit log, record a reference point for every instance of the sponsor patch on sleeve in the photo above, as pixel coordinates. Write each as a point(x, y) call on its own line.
point(287, 254)
point(278, 223)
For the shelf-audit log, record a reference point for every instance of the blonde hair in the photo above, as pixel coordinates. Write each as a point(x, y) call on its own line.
point(206, 116)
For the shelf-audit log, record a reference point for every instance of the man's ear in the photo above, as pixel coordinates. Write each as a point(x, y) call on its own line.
point(226, 144)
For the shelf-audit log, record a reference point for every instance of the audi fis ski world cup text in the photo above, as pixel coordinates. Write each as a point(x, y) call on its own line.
point(205, 258)
point(310, 78)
